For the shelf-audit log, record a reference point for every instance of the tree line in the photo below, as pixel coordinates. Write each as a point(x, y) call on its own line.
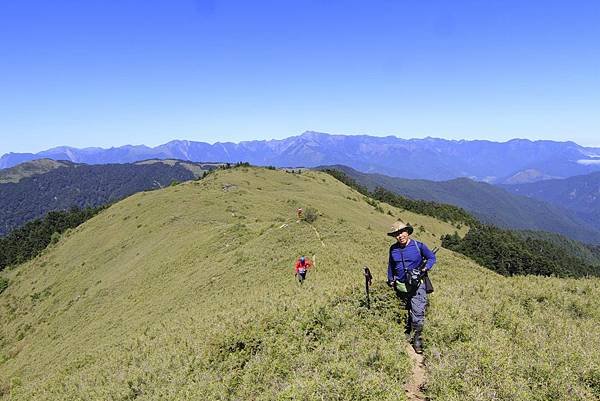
point(28, 241)
point(503, 251)
point(441, 211)
point(508, 253)
point(82, 186)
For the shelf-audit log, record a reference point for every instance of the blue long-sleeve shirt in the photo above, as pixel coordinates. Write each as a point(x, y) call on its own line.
point(408, 258)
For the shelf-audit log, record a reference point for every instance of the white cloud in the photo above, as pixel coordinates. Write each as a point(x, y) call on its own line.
point(589, 162)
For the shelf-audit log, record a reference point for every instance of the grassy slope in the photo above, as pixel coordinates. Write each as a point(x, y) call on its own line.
point(174, 291)
point(188, 293)
point(512, 338)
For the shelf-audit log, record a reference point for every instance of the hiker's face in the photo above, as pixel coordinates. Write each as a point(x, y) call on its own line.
point(402, 237)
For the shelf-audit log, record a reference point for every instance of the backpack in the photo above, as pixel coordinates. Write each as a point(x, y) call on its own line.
point(426, 280)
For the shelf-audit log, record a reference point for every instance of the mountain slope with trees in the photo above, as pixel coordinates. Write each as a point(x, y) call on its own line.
point(488, 203)
point(580, 194)
point(507, 252)
point(585, 252)
point(24, 243)
point(68, 185)
point(34, 167)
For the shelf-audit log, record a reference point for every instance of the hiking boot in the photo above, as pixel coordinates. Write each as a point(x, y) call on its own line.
point(417, 344)
point(408, 329)
point(408, 334)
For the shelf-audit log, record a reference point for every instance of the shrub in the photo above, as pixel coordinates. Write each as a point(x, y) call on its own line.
point(55, 237)
point(310, 214)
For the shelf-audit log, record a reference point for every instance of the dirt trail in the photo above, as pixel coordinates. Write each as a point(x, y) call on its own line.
point(417, 378)
point(318, 235)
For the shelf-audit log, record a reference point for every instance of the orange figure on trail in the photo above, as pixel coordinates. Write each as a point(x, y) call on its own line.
point(299, 212)
point(302, 266)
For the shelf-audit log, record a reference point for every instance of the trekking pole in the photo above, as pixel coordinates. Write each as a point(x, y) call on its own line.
point(368, 280)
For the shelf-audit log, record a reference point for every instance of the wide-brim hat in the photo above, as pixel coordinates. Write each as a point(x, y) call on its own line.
point(398, 227)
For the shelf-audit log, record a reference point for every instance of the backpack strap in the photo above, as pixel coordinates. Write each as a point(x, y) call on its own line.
point(418, 245)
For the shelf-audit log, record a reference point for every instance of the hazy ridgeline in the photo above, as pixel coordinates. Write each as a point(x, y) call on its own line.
point(188, 293)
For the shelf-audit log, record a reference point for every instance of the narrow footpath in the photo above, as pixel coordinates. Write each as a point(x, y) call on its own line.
point(318, 235)
point(417, 378)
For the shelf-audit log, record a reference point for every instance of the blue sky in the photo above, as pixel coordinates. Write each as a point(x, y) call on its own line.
point(109, 73)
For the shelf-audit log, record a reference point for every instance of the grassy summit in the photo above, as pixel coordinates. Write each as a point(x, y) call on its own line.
point(27, 169)
point(188, 293)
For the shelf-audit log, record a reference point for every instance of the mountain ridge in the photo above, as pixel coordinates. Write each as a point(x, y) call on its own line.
point(431, 158)
point(187, 292)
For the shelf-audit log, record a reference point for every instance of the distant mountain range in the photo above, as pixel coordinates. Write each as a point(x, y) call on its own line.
point(489, 203)
point(41, 186)
point(515, 161)
point(580, 194)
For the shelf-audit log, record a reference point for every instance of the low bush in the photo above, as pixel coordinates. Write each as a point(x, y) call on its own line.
point(311, 215)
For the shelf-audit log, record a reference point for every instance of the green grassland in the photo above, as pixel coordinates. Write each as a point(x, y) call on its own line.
point(188, 293)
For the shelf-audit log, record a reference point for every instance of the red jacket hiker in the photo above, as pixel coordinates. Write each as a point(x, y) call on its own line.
point(302, 265)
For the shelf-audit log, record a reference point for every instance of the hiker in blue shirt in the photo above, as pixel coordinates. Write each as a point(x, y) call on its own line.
point(405, 273)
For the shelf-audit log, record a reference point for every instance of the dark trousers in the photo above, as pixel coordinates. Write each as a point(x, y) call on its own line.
point(415, 302)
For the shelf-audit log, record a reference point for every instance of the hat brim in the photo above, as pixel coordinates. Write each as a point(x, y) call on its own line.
point(395, 233)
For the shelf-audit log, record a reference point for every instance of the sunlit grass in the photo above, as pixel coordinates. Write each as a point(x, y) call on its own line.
point(189, 293)
point(517, 338)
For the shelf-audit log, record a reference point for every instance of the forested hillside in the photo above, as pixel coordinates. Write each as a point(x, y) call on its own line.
point(507, 252)
point(488, 203)
point(35, 167)
point(581, 194)
point(588, 253)
point(80, 185)
point(24, 243)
